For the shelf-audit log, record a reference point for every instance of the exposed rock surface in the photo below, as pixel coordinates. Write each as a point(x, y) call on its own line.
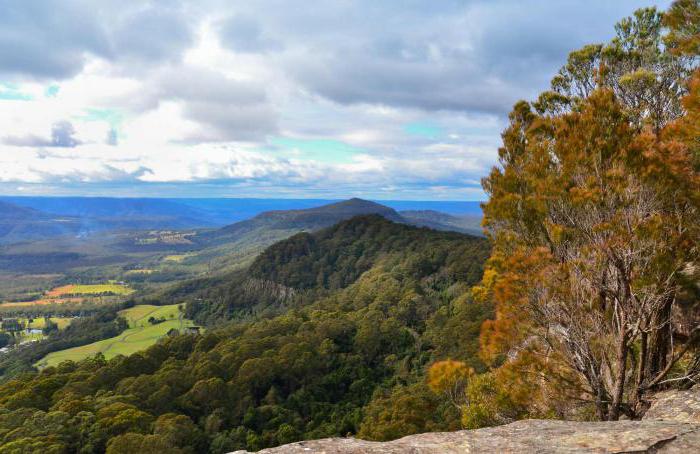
point(672, 425)
point(681, 406)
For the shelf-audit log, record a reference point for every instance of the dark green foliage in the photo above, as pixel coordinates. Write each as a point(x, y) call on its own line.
point(5, 339)
point(336, 257)
point(306, 266)
point(363, 308)
point(49, 327)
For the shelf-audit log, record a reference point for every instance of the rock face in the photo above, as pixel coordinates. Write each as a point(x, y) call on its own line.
point(681, 406)
point(671, 425)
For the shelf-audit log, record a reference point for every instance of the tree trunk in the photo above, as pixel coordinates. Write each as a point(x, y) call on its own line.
point(619, 389)
point(639, 384)
point(601, 402)
point(659, 343)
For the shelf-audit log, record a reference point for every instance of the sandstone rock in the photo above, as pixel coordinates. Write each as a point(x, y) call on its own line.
point(671, 425)
point(536, 436)
point(683, 406)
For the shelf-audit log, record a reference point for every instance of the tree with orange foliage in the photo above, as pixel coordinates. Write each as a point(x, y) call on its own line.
point(593, 219)
point(450, 378)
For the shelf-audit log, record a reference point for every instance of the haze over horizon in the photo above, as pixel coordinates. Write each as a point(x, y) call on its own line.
point(258, 99)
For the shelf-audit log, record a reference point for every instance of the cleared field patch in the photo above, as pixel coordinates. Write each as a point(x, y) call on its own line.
point(95, 289)
point(140, 335)
point(58, 291)
point(139, 271)
point(75, 293)
point(177, 258)
point(40, 322)
point(40, 302)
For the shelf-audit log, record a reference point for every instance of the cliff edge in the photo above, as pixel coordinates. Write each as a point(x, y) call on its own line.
point(671, 425)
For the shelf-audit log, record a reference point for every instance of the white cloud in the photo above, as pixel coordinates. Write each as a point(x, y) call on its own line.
point(158, 92)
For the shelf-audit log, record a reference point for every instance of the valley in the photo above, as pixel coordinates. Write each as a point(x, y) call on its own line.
point(321, 315)
point(346, 286)
point(122, 272)
point(148, 260)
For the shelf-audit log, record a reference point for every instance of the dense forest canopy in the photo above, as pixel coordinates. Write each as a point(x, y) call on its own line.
point(363, 306)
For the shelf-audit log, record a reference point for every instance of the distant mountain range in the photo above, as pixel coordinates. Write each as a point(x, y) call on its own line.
point(35, 218)
point(300, 220)
point(271, 226)
point(233, 245)
point(469, 223)
point(19, 223)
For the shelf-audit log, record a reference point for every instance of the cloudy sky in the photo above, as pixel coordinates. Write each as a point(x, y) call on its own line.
point(401, 99)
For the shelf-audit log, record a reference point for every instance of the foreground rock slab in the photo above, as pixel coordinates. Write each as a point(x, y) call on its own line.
point(528, 436)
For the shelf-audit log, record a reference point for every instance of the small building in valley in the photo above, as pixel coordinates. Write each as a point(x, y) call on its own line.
point(193, 329)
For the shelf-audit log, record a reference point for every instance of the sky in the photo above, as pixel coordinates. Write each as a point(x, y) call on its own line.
point(274, 98)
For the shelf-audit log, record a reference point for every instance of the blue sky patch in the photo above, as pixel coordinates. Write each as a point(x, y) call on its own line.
point(321, 150)
point(51, 91)
point(10, 92)
point(110, 116)
point(427, 130)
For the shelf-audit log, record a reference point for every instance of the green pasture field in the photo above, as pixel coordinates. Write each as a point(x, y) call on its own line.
point(139, 271)
point(98, 289)
point(177, 258)
point(139, 336)
point(40, 322)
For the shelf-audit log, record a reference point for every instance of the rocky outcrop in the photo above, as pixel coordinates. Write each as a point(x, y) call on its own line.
point(540, 436)
point(683, 406)
point(671, 425)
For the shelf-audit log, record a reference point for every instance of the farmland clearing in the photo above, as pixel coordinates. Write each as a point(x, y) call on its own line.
point(74, 293)
point(141, 334)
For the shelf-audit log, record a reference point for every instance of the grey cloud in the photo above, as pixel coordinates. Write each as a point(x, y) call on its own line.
point(62, 136)
point(230, 110)
point(152, 35)
point(354, 78)
point(243, 34)
point(52, 39)
point(48, 38)
point(476, 56)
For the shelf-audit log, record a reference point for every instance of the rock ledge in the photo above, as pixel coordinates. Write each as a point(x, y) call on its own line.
point(540, 436)
point(671, 425)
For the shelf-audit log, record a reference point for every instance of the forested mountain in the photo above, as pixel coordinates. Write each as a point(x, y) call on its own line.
point(309, 264)
point(19, 223)
point(228, 247)
point(470, 224)
point(367, 305)
point(272, 223)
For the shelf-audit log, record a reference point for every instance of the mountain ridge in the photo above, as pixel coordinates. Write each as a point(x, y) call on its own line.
point(325, 260)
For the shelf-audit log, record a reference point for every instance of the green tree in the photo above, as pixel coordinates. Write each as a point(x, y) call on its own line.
point(647, 79)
